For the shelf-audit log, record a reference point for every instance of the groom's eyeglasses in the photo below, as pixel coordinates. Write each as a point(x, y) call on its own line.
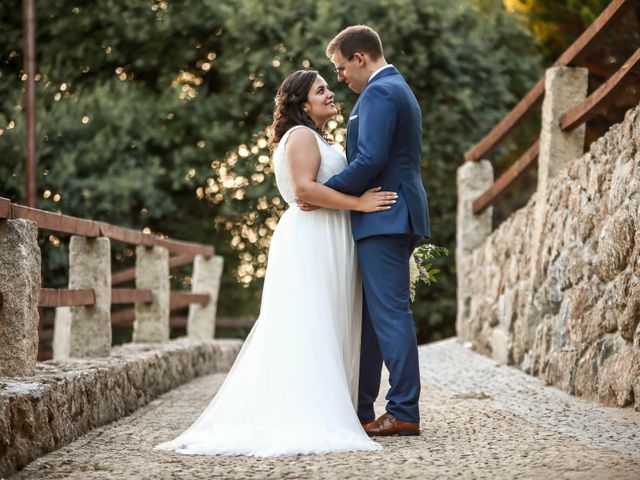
point(340, 68)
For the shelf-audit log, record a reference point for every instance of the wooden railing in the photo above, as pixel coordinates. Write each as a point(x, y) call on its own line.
point(185, 253)
point(578, 115)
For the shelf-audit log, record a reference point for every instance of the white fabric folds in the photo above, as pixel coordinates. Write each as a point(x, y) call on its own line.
point(293, 387)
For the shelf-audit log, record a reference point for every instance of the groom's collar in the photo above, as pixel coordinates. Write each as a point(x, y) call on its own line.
point(379, 71)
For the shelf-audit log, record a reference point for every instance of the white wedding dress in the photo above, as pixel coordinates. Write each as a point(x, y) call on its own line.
point(293, 387)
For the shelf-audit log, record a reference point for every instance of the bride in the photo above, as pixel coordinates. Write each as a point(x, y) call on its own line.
point(293, 387)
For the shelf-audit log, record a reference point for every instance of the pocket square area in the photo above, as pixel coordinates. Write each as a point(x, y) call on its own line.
point(353, 117)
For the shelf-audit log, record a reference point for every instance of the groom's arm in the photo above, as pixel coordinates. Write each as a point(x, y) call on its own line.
point(376, 124)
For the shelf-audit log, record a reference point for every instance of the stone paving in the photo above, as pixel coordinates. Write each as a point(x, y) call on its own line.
point(479, 421)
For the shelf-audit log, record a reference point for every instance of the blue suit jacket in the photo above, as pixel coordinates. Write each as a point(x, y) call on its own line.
point(384, 150)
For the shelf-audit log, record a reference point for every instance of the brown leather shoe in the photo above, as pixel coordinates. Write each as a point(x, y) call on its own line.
point(387, 425)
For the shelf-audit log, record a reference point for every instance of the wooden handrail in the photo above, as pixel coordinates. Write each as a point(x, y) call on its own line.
point(89, 228)
point(531, 101)
point(5, 208)
point(222, 322)
point(129, 274)
point(179, 300)
point(592, 35)
point(533, 98)
point(126, 317)
point(56, 221)
point(182, 299)
point(131, 295)
point(507, 178)
point(64, 297)
point(45, 333)
point(593, 103)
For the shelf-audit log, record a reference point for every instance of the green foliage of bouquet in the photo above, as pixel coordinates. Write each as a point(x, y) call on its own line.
point(421, 266)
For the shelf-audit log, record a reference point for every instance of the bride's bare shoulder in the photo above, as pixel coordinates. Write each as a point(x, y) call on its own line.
point(301, 138)
point(301, 132)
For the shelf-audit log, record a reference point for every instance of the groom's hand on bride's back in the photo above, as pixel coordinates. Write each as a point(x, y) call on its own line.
point(306, 207)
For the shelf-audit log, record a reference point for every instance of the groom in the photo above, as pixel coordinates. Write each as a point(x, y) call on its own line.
point(383, 150)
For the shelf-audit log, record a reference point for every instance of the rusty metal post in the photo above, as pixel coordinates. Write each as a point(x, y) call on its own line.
point(30, 160)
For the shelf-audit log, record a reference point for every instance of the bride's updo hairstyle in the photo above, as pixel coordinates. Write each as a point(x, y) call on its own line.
point(288, 113)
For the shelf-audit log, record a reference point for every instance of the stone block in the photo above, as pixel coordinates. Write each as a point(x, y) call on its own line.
point(542, 345)
point(201, 322)
point(565, 87)
point(560, 369)
point(634, 259)
point(501, 347)
point(615, 245)
point(627, 302)
point(86, 332)
point(619, 368)
point(473, 179)
point(152, 272)
point(586, 377)
point(19, 297)
point(623, 184)
point(61, 333)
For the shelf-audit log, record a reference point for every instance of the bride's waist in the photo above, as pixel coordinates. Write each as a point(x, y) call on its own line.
point(293, 208)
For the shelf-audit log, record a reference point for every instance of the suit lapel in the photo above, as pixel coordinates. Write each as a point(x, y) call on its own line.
point(352, 136)
point(351, 133)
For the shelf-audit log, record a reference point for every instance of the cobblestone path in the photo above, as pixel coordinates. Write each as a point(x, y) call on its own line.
point(479, 420)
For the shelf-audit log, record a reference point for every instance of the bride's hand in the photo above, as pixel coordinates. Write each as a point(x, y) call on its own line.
point(373, 200)
point(306, 207)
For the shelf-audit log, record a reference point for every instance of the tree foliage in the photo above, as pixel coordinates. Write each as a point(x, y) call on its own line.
point(557, 23)
point(152, 114)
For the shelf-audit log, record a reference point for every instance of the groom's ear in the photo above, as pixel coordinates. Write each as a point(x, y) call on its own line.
point(360, 58)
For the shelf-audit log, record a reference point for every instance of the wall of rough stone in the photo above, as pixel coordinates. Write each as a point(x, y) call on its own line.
point(572, 318)
point(67, 398)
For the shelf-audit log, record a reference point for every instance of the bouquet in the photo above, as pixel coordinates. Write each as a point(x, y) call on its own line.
point(421, 266)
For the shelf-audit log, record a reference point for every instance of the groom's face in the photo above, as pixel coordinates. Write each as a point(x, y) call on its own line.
point(350, 70)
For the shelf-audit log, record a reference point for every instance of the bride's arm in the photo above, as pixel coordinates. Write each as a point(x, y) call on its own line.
point(303, 161)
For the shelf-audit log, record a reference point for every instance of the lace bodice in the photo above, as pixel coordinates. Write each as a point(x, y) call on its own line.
point(332, 162)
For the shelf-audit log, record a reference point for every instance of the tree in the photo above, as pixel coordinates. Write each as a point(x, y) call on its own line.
point(556, 24)
point(152, 114)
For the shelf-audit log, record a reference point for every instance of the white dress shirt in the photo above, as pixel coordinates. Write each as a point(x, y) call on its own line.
point(378, 71)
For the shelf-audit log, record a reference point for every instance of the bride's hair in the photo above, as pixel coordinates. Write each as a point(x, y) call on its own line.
point(288, 113)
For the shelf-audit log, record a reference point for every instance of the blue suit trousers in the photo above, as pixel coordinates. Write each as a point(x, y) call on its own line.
point(388, 332)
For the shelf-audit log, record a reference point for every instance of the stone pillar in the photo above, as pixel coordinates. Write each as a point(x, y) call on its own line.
point(152, 273)
point(201, 322)
point(84, 332)
point(473, 179)
point(61, 332)
point(564, 88)
point(19, 297)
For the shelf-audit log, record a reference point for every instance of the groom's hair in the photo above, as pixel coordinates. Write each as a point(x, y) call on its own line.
point(356, 39)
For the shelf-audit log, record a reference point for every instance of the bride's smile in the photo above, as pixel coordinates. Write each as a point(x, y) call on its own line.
point(320, 104)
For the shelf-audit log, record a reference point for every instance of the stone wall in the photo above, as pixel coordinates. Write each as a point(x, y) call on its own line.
point(67, 398)
point(566, 306)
